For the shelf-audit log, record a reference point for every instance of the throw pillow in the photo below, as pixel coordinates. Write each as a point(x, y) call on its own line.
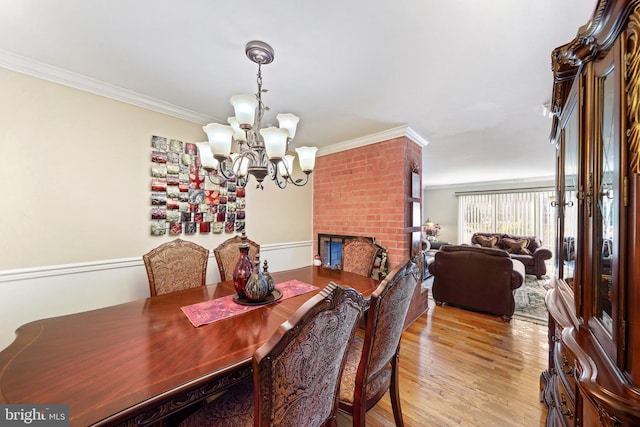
point(487, 242)
point(516, 246)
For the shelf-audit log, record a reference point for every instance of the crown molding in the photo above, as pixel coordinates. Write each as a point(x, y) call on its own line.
point(57, 75)
point(64, 77)
point(396, 132)
point(416, 137)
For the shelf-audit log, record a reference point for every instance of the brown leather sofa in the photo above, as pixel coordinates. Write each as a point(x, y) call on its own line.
point(481, 279)
point(526, 249)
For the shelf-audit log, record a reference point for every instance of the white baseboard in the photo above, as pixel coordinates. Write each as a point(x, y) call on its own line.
point(36, 293)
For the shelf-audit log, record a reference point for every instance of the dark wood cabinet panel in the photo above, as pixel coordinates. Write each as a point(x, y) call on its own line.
point(593, 377)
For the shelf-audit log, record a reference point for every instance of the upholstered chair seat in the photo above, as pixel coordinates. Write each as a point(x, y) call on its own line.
point(378, 382)
point(296, 373)
point(371, 367)
point(235, 408)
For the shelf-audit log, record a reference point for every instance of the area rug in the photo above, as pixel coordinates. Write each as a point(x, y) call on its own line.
point(530, 300)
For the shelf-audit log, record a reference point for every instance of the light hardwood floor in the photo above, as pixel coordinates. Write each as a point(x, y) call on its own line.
point(460, 368)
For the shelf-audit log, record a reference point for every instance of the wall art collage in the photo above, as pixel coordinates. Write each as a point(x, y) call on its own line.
point(184, 199)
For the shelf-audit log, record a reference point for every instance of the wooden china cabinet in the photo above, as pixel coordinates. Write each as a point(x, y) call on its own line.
point(594, 308)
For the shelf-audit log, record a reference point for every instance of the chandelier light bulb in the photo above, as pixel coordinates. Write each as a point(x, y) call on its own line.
point(285, 167)
point(275, 142)
point(289, 122)
point(307, 158)
point(245, 108)
point(209, 163)
point(219, 139)
point(238, 134)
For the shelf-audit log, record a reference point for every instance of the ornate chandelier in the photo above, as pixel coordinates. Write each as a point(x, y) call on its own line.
point(261, 151)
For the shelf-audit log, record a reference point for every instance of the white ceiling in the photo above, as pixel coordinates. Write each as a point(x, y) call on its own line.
point(468, 76)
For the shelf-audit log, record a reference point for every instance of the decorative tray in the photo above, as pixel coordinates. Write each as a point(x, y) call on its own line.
point(275, 296)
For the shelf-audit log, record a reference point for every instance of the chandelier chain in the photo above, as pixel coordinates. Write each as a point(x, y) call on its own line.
point(259, 96)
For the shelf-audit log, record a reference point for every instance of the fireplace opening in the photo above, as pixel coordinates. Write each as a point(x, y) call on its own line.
point(330, 251)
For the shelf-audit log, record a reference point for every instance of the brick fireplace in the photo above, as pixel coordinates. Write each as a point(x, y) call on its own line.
point(366, 191)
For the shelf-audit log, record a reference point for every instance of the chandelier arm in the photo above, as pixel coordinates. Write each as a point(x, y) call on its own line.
point(225, 171)
point(281, 183)
point(272, 168)
point(275, 176)
point(248, 156)
point(220, 179)
point(299, 182)
point(278, 178)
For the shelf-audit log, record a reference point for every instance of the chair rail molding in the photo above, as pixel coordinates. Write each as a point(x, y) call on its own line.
point(36, 293)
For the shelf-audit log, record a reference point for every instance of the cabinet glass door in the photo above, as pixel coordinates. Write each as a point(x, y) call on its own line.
point(569, 202)
point(606, 203)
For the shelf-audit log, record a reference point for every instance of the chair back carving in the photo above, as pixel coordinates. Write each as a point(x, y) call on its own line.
point(176, 265)
point(359, 255)
point(228, 253)
point(371, 367)
point(297, 372)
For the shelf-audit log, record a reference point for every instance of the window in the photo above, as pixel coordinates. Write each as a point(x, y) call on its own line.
point(526, 212)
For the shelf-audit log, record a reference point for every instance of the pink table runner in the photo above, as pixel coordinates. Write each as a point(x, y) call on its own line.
point(211, 311)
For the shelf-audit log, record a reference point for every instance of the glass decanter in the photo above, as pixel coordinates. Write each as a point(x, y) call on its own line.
point(267, 277)
point(257, 288)
point(243, 268)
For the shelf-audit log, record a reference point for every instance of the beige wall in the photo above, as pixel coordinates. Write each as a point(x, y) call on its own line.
point(74, 168)
point(440, 205)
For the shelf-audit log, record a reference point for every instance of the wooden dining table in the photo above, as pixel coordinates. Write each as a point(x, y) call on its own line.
point(139, 362)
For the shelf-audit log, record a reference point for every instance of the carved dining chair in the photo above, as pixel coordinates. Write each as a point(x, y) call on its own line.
point(359, 255)
point(296, 373)
point(371, 367)
point(228, 253)
point(176, 265)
